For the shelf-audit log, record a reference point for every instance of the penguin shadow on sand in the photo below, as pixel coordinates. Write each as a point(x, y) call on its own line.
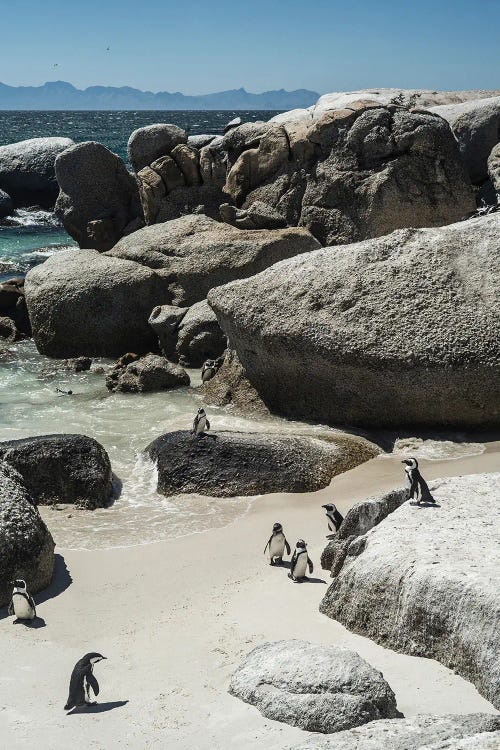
point(309, 579)
point(96, 708)
point(424, 505)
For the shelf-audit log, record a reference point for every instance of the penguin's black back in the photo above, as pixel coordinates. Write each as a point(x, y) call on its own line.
point(76, 695)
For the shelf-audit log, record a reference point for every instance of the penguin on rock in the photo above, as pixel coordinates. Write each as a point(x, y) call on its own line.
point(418, 486)
point(334, 518)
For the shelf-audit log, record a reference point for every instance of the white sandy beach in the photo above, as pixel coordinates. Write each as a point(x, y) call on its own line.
point(175, 618)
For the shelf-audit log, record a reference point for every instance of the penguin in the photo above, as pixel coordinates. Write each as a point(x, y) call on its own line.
point(300, 561)
point(334, 518)
point(208, 370)
point(64, 393)
point(277, 543)
point(200, 423)
point(418, 485)
point(82, 679)
point(21, 604)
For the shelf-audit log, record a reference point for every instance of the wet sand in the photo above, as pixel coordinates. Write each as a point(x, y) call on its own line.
point(175, 618)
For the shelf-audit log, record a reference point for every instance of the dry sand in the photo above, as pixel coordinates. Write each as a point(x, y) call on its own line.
point(174, 619)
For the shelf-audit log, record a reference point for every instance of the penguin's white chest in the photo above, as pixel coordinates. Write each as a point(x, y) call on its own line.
point(200, 427)
point(408, 476)
point(22, 608)
point(300, 568)
point(277, 546)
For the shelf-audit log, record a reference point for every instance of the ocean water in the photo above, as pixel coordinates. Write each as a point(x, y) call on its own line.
point(123, 423)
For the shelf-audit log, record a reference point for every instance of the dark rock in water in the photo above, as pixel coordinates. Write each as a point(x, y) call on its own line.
point(62, 469)
point(195, 253)
point(199, 336)
point(26, 546)
point(9, 331)
point(79, 364)
point(165, 321)
point(314, 687)
point(359, 519)
point(230, 385)
point(27, 170)
point(423, 732)
point(147, 144)
point(6, 205)
point(401, 329)
point(226, 464)
point(149, 373)
point(425, 581)
point(65, 293)
point(98, 197)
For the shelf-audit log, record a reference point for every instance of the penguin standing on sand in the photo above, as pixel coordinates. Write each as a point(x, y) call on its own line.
point(21, 604)
point(82, 679)
point(418, 486)
point(277, 543)
point(200, 423)
point(300, 561)
point(333, 517)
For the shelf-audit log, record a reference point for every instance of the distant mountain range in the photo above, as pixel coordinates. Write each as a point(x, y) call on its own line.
point(62, 95)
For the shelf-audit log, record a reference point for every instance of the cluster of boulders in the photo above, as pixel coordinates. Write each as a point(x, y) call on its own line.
point(135, 374)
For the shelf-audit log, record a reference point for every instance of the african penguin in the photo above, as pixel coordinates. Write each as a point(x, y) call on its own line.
point(418, 485)
point(300, 561)
point(208, 370)
point(200, 423)
point(334, 518)
point(82, 679)
point(277, 543)
point(21, 604)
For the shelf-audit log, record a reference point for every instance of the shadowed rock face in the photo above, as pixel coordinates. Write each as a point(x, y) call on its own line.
point(99, 199)
point(314, 687)
point(26, 546)
point(416, 589)
point(397, 330)
point(424, 732)
point(230, 385)
point(199, 336)
point(61, 469)
point(27, 171)
point(226, 464)
point(6, 204)
point(476, 126)
point(153, 141)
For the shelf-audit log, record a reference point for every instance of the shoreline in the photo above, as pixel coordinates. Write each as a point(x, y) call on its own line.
point(175, 618)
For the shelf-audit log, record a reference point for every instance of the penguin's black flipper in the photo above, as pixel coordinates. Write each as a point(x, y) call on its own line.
point(288, 548)
point(92, 682)
point(267, 545)
point(11, 608)
point(311, 566)
point(207, 425)
point(338, 519)
point(293, 563)
point(425, 493)
point(32, 603)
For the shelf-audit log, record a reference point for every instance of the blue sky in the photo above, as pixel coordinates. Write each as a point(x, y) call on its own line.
point(200, 47)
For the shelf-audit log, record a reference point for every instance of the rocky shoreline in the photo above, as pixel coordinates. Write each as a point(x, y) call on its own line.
point(337, 265)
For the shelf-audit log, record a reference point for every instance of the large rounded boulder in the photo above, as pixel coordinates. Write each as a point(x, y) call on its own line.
point(83, 303)
point(149, 143)
point(99, 199)
point(61, 469)
point(314, 687)
point(27, 170)
point(26, 546)
point(226, 464)
point(397, 330)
